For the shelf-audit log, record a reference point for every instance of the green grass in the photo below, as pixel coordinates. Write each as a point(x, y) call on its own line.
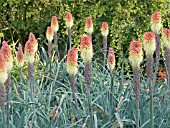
point(52, 92)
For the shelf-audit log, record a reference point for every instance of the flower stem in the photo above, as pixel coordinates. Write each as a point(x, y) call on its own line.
point(149, 69)
point(2, 104)
point(20, 72)
point(49, 48)
point(72, 82)
point(56, 45)
point(70, 38)
point(136, 78)
point(8, 84)
point(104, 50)
point(87, 72)
point(157, 57)
point(31, 80)
point(167, 62)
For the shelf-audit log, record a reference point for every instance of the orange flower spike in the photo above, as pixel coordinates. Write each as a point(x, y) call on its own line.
point(156, 22)
point(33, 40)
point(29, 52)
point(86, 48)
point(54, 24)
point(72, 65)
point(3, 68)
point(111, 59)
point(20, 56)
point(6, 50)
point(135, 54)
point(105, 29)
point(164, 75)
point(69, 20)
point(149, 43)
point(89, 25)
point(49, 34)
point(166, 38)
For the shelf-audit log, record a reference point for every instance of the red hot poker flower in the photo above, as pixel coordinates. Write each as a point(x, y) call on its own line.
point(71, 64)
point(49, 34)
point(54, 24)
point(156, 17)
point(29, 52)
point(86, 48)
point(33, 40)
point(89, 25)
point(111, 59)
point(6, 50)
point(3, 68)
point(149, 43)
point(69, 20)
point(20, 56)
point(156, 22)
point(135, 54)
point(105, 29)
point(166, 38)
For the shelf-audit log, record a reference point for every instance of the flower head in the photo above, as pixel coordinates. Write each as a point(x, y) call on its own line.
point(166, 38)
point(29, 51)
point(149, 43)
point(54, 24)
point(33, 40)
point(135, 54)
point(86, 48)
point(20, 56)
point(3, 73)
point(71, 64)
point(111, 59)
point(6, 50)
point(69, 20)
point(156, 22)
point(104, 29)
point(89, 25)
point(49, 34)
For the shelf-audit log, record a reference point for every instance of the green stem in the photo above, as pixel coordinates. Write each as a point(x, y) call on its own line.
point(112, 89)
point(157, 58)
point(136, 78)
point(2, 104)
point(56, 45)
point(87, 72)
point(31, 80)
point(72, 82)
point(70, 38)
point(8, 84)
point(20, 72)
point(49, 48)
point(104, 50)
point(149, 68)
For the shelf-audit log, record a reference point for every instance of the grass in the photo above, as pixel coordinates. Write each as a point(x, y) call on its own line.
point(53, 104)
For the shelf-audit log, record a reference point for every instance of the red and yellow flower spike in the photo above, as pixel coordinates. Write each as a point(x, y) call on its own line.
point(20, 56)
point(89, 25)
point(29, 51)
point(135, 54)
point(3, 69)
point(72, 65)
point(111, 59)
point(105, 29)
point(166, 38)
point(149, 43)
point(49, 34)
point(86, 48)
point(54, 24)
point(6, 50)
point(156, 22)
point(33, 40)
point(69, 20)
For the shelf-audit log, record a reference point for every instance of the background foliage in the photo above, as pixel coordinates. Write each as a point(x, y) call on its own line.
point(127, 19)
